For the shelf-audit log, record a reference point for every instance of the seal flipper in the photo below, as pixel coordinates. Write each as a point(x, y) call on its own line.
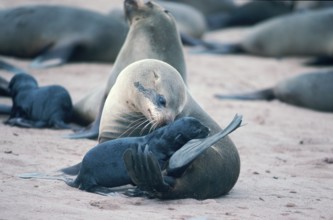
point(10, 68)
point(186, 154)
point(44, 176)
point(72, 170)
point(217, 48)
point(145, 172)
point(90, 132)
point(265, 94)
point(56, 54)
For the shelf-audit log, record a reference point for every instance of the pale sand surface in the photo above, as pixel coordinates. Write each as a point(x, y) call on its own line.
point(285, 150)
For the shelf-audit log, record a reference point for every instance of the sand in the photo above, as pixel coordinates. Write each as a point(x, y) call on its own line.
point(286, 152)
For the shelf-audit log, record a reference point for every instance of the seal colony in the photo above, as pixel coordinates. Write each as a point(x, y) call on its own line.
point(54, 35)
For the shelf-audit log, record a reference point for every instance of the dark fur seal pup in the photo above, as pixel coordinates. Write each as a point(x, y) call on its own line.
point(312, 90)
point(312, 33)
point(185, 175)
point(103, 165)
point(149, 23)
point(38, 107)
point(54, 35)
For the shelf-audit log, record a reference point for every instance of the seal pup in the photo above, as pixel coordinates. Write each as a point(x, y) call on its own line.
point(311, 90)
point(54, 35)
point(146, 38)
point(103, 167)
point(312, 33)
point(156, 91)
point(180, 179)
point(38, 107)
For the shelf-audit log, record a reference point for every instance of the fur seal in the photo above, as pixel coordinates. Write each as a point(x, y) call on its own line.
point(248, 14)
point(38, 107)
point(146, 39)
point(147, 89)
point(311, 90)
point(54, 35)
point(103, 165)
point(209, 7)
point(312, 33)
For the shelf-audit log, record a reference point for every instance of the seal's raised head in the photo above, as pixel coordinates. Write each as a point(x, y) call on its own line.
point(138, 10)
point(153, 85)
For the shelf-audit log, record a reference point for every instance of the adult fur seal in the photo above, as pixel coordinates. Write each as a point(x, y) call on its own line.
point(154, 91)
point(312, 33)
point(54, 35)
point(312, 90)
point(146, 38)
point(38, 107)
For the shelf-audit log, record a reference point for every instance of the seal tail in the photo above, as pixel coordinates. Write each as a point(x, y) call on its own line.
point(265, 94)
point(10, 68)
point(72, 170)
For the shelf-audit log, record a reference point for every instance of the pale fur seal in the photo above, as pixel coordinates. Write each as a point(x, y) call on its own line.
point(300, 34)
point(54, 35)
point(155, 93)
point(312, 90)
point(146, 38)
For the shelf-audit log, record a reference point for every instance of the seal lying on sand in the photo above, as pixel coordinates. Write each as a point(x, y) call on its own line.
point(154, 92)
point(312, 90)
point(300, 34)
point(34, 106)
point(146, 38)
point(54, 35)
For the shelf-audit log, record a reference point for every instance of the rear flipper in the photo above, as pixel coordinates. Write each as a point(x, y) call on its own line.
point(56, 54)
point(265, 94)
point(218, 48)
point(192, 149)
point(24, 123)
point(145, 172)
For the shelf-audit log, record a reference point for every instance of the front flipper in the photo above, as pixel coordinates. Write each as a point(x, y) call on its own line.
point(24, 123)
point(90, 132)
point(144, 171)
point(192, 149)
point(44, 176)
point(56, 55)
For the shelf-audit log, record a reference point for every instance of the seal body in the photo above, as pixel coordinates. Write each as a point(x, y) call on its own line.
point(103, 165)
point(312, 35)
point(138, 90)
point(38, 107)
point(146, 38)
point(55, 34)
point(312, 90)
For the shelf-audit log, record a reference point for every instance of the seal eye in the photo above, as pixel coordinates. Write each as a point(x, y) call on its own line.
point(161, 101)
point(166, 11)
